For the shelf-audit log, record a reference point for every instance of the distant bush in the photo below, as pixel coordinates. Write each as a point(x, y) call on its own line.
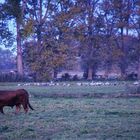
point(75, 78)
point(66, 77)
point(12, 77)
point(132, 76)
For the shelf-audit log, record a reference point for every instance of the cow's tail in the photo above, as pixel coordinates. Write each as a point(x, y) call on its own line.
point(28, 103)
point(30, 106)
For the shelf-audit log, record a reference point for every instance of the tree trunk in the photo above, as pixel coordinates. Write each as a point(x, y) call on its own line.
point(123, 57)
point(90, 73)
point(123, 71)
point(106, 74)
point(19, 52)
point(108, 67)
point(55, 74)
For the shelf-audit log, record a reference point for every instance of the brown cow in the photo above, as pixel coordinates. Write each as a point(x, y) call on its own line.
point(15, 98)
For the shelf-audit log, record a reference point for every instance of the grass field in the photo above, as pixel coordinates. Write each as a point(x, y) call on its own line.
point(73, 118)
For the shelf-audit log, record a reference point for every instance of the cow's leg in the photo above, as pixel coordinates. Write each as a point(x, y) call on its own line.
point(1, 110)
point(18, 107)
point(25, 106)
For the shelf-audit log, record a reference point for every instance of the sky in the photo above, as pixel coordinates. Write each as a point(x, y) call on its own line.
point(11, 28)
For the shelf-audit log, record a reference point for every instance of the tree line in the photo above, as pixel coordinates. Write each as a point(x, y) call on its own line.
point(50, 34)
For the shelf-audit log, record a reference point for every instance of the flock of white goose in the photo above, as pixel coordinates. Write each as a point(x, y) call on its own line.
point(92, 83)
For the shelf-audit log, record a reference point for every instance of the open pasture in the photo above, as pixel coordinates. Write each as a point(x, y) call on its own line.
point(73, 118)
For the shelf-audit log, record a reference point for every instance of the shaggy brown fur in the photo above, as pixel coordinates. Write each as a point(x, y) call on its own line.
point(15, 98)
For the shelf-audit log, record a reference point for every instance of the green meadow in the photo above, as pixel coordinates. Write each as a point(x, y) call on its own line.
point(77, 118)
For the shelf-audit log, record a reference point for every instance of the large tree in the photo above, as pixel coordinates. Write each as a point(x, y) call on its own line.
point(14, 10)
point(88, 31)
point(118, 20)
point(51, 24)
